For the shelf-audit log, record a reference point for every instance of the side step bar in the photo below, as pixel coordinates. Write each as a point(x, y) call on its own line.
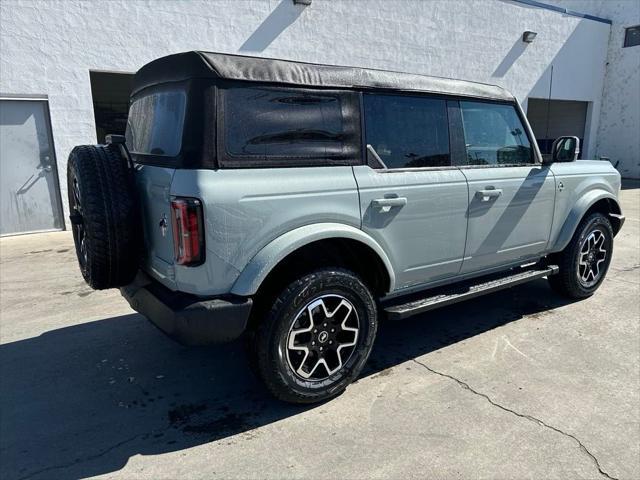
point(450, 294)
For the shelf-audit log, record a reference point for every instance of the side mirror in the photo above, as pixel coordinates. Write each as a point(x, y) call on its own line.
point(565, 149)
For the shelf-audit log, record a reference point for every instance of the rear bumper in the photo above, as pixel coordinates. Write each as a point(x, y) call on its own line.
point(188, 319)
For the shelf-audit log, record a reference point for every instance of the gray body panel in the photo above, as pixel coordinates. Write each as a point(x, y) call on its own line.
point(244, 210)
point(514, 226)
point(154, 185)
point(255, 217)
point(580, 185)
point(425, 238)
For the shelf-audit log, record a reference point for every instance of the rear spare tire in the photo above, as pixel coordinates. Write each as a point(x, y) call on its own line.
point(104, 215)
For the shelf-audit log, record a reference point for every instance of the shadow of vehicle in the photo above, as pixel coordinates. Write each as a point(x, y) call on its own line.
point(81, 400)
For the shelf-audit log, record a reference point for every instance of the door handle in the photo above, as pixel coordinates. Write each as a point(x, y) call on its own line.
point(488, 194)
point(387, 203)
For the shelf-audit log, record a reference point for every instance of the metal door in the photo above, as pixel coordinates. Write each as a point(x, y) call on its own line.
point(510, 215)
point(29, 190)
point(418, 217)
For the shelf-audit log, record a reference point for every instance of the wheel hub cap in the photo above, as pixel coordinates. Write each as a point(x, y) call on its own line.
point(322, 337)
point(593, 254)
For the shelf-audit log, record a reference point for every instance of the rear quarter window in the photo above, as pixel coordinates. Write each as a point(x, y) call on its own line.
point(288, 127)
point(156, 123)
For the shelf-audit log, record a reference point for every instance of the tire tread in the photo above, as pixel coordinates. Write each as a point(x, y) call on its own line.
point(109, 214)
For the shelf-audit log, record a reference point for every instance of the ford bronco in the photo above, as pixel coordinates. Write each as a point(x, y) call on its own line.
point(296, 204)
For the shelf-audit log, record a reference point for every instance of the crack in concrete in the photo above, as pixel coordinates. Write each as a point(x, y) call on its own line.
point(531, 418)
point(80, 460)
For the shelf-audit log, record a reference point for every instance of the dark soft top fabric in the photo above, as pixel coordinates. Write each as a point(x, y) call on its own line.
point(184, 66)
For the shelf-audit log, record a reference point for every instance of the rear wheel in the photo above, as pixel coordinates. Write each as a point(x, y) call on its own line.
point(316, 337)
point(585, 261)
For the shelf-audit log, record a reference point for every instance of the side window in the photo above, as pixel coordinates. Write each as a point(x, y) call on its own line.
point(281, 126)
point(494, 134)
point(407, 131)
point(155, 123)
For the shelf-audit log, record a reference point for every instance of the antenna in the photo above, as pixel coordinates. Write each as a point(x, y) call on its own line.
point(546, 135)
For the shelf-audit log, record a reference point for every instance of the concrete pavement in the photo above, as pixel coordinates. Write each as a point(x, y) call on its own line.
point(519, 384)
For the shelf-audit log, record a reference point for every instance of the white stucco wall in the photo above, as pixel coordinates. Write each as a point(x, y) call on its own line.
point(48, 48)
point(618, 134)
point(619, 131)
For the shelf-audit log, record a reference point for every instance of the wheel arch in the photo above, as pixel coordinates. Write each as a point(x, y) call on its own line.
point(336, 241)
point(594, 201)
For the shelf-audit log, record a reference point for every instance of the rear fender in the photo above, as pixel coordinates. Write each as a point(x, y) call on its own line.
point(273, 253)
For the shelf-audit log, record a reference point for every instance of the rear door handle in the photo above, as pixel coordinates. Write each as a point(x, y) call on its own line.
point(488, 194)
point(386, 204)
point(389, 202)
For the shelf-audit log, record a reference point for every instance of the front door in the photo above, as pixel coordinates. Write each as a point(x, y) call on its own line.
point(29, 194)
point(413, 202)
point(511, 197)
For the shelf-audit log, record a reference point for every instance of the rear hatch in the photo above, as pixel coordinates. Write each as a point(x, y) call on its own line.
point(153, 185)
point(155, 139)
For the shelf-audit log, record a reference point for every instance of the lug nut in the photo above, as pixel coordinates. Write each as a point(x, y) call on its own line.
point(313, 343)
point(320, 348)
point(330, 342)
point(333, 330)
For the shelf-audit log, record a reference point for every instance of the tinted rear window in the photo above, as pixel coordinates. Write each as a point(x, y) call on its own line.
point(279, 124)
point(156, 122)
point(407, 131)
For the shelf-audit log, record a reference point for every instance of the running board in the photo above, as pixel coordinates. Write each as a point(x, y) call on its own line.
point(450, 294)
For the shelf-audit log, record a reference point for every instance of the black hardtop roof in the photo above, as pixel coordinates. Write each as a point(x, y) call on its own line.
point(184, 66)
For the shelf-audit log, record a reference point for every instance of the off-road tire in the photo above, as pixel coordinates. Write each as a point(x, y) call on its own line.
point(566, 281)
point(104, 212)
point(268, 342)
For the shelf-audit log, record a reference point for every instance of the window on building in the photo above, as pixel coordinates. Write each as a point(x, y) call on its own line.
point(494, 134)
point(632, 36)
point(281, 125)
point(407, 131)
point(156, 122)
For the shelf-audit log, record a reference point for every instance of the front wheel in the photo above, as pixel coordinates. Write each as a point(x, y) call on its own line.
point(316, 337)
point(585, 261)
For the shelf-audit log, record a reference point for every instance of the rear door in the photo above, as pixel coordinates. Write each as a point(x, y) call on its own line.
point(511, 196)
point(413, 202)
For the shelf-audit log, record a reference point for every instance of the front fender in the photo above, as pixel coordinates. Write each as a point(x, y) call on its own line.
point(266, 259)
point(577, 212)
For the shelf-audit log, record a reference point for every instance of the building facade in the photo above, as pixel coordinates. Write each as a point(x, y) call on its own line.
point(65, 68)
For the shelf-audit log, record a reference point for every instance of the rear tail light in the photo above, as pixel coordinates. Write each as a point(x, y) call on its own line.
point(188, 231)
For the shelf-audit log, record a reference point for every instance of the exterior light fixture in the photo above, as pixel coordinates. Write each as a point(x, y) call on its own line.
point(528, 37)
point(302, 2)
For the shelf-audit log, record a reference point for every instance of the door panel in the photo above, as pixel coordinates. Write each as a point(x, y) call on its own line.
point(510, 214)
point(29, 195)
point(418, 217)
